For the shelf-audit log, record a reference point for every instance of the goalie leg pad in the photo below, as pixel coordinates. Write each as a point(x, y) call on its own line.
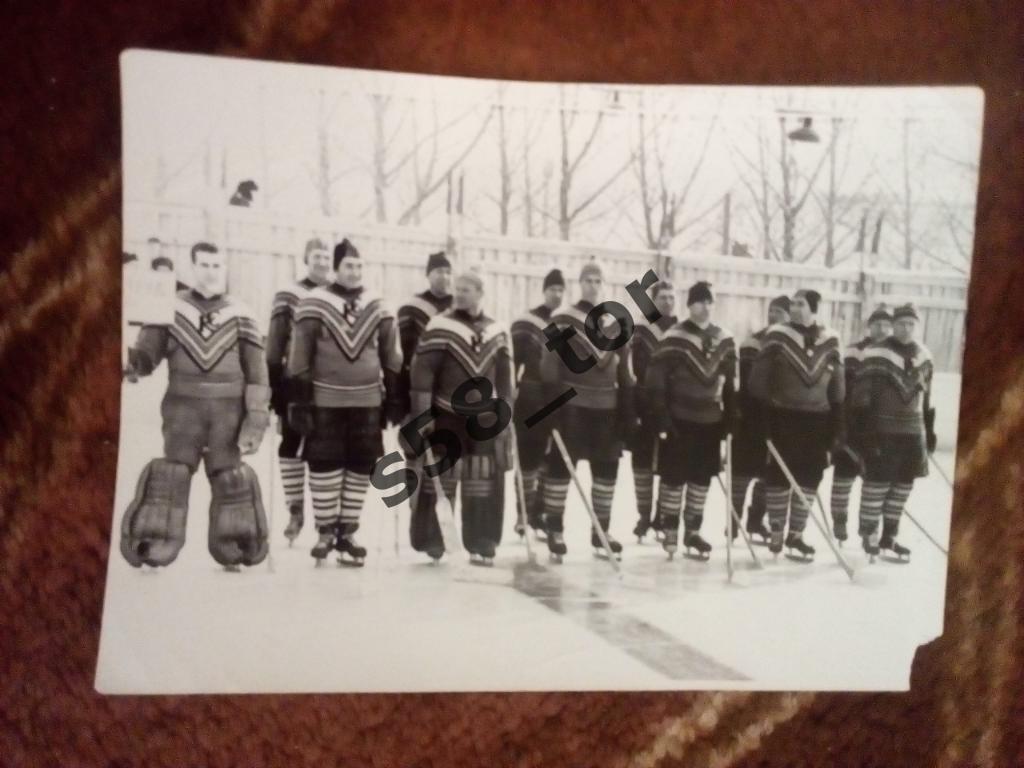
point(153, 526)
point(238, 522)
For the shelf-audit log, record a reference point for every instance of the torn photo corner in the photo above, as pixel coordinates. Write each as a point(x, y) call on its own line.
point(443, 384)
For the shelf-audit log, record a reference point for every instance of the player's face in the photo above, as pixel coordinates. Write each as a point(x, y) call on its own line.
point(590, 288)
point(440, 280)
point(700, 311)
point(904, 329)
point(665, 302)
point(553, 296)
point(319, 264)
point(777, 315)
point(880, 330)
point(210, 270)
point(350, 272)
point(800, 310)
point(467, 296)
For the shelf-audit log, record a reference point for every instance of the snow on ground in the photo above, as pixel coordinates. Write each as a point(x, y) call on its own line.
point(404, 624)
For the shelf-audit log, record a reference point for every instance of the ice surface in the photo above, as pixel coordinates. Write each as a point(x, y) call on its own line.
point(404, 624)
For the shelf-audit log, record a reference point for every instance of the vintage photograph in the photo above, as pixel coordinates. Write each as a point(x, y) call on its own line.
point(444, 384)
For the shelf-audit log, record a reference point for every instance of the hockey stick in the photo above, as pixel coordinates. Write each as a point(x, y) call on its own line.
point(629, 581)
point(940, 470)
point(444, 511)
point(728, 504)
point(824, 515)
point(807, 505)
point(517, 472)
point(927, 535)
point(739, 527)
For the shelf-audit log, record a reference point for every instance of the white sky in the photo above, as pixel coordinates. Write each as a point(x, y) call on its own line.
point(193, 123)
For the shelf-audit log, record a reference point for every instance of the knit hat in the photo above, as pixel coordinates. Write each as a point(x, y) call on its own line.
point(591, 268)
point(780, 302)
point(699, 291)
point(343, 249)
point(437, 260)
point(162, 261)
point(811, 296)
point(904, 311)
point(554, 277)
point(881, 313)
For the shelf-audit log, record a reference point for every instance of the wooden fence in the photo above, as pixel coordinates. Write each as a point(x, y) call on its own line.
point(265, 253)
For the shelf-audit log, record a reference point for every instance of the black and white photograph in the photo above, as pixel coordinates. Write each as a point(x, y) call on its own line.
point(450, 384)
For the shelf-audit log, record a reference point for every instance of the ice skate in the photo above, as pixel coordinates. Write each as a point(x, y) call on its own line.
point(758, 530)
point(870, 544)
point(899, 553)
point(658, 526)
point(435, 553)
point(775, 543)
point(233, 568)
point(696, 547)
point(804, 551)
point(600, 551)
point(323, 547)
point(839, 530)
point(556, 546)
point(482, 553)
point(670, 543)
point(643, 525)
point(350, 553)
point(295, 520)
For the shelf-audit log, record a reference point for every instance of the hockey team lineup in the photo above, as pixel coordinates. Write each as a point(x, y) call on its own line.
point(473, 400)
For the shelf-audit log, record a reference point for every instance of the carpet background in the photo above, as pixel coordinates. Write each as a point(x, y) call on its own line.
point(59, 347)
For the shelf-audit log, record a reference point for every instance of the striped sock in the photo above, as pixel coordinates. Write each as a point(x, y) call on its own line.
point(643, 484)
point(892, 508)
point(739, 493)
point(693, 514)
point(872, 496)
point(353, 491)
point(841, 487)
point(799, 513)
point(777, 502)
point(758, 502)
point(602, 491)
point(555, 491)
point(530, 478)
point(325, 488)
point(293, 478)
point(670, 500)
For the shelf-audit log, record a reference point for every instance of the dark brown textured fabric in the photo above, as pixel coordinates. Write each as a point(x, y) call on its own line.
point(59, 294)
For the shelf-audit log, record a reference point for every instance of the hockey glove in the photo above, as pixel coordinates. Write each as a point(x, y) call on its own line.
point(503, 450)
point(256, 420)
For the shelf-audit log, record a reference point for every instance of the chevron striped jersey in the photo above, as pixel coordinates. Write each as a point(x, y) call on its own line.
point(599, 387)
point(343, 342)
point(456, 346)
point(413, 317)
point(528, 342)
point(895, 380)
point(282, 313)
point(799, 368)
point(213, 347)
point(692, 372)
point(646, 337)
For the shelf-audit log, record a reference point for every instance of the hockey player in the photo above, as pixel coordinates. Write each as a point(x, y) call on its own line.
point(847, 464)
point(343, 380)
point(798, 375)
point(463, 350)
point(528, 348)
point(215, 408)
point(646, 336)
point(317, 259)
point(593, 424)
point(749, 455)
point(892, 397)
point(692, 392)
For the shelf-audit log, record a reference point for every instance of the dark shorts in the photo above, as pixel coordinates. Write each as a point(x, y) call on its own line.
point(589, 435)
point(531, 442)
point(845, 465)
point(749, 454)
point(691, 454)
point(803, 439)
point(192, 424)
point(345, 437)
point(641, 446)
point(896, 459)
point(290, 441)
